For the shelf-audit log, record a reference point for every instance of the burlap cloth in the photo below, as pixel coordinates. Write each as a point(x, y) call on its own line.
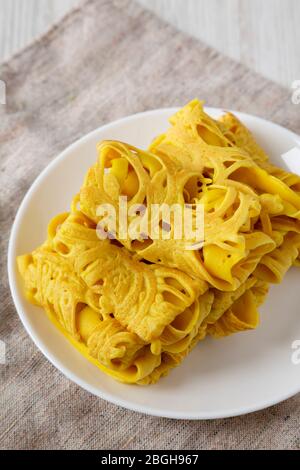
point(105, 60)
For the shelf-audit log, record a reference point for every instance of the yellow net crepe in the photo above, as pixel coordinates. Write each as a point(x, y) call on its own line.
point(135, 306)
point(129, 314)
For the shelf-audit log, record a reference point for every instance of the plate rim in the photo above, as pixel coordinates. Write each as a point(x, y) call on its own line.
point(16, 296)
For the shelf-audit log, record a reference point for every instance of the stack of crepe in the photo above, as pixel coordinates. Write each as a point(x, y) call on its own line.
point(135, 306)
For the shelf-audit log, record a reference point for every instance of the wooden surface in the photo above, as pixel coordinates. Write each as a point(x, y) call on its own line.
point(23, 20)
point(263, 34)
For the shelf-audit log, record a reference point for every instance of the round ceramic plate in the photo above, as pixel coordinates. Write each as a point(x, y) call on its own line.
point(232, 376)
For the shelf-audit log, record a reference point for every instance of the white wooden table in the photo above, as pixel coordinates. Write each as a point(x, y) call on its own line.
point(263, 34)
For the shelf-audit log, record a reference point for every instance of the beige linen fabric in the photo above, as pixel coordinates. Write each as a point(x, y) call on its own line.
point(105, 60)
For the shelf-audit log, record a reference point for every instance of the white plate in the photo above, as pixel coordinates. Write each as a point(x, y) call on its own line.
point(236, 375)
